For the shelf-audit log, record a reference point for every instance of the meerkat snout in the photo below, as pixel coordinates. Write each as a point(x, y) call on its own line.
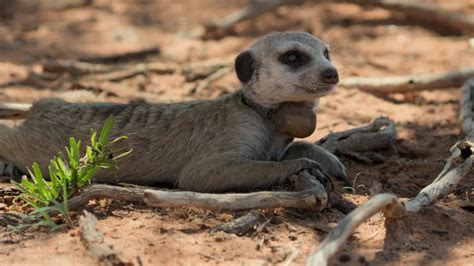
point(286, 67)
point(330, 76)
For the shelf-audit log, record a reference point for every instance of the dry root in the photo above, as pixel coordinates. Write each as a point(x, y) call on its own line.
point(380, 134)
point(314, 196)
point(457, 166)
point(338, 236)
point(450, 21)
point(120, 57)
point(241, 225)
point(409, 83)
point(94, 242)
point(393, 208)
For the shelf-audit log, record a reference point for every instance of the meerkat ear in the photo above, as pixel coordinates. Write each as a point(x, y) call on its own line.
point(244, 66)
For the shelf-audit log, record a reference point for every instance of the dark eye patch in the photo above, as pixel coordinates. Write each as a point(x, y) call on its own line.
point(294, 58)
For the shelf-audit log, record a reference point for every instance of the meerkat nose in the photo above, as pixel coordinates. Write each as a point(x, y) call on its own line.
point(330, 76)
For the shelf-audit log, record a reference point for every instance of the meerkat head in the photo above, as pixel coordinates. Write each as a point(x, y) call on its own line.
point(286, 67)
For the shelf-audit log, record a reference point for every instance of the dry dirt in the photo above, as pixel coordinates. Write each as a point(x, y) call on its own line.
point(370, 42)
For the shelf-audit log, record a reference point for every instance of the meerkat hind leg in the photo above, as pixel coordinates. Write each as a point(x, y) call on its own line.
point(329, 162)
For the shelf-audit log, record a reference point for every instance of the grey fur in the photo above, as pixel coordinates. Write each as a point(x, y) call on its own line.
point(213, 145)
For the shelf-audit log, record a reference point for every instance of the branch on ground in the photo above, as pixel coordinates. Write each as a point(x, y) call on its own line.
point(380, 134)
point(457, 166)
point(94, 242)
point(409, 83)
point(435, 16)
point(241, 225)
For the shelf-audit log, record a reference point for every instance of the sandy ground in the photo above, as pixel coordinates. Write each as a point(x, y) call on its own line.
point(370, 42)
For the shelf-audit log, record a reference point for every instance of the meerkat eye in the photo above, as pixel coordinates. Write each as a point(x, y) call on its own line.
point(294, 58)
point(326, 54)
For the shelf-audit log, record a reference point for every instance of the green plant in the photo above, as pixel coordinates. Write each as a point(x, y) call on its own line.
point(68, 175)
point(354, 187)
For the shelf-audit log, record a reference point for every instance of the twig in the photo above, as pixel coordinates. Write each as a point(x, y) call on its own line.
point(294, 253)
point(442, 185)
point(256, 8)
point(409, 83)
point(213, 77)
point(94, 242)
point(74, 67)
point(241, 225)
point(97, 191)
point(393, 208)
point(457, 166)
point(314, 197)
point(380, 134)
point(428, 13)
point(14, 219)
point(451, 21)
point(204, 69)
point(101, 72)
point(133, 55)
point(132, 71)
point(242, 201)
point(338, 236)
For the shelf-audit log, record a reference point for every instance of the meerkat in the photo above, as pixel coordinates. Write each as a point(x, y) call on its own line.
point(225, 144)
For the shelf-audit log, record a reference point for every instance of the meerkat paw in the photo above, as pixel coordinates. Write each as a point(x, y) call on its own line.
point(333, 167)
point(328, 161)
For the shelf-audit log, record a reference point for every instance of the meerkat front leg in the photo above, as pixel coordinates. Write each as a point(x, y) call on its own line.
point(329, 162)
point(224, 175)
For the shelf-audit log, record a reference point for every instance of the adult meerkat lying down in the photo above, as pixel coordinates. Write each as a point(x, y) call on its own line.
point(236, 142)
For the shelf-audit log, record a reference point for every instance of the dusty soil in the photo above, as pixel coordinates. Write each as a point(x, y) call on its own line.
point(370, 42)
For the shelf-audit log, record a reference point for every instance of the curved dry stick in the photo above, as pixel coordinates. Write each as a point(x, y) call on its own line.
point(232, 201)
point(314, 196)
point(457, 166)
point(211, 78)
point(241, 225)
point(97, 191)
point(338, 236)
point(380, 134)
point(439, 188)
point(409, 83)
point(204, 69)
point(254, 9)
point(453, 21)
point(94, 242)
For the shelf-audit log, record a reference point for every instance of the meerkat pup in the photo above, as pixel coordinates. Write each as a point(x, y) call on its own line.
point(236, 142)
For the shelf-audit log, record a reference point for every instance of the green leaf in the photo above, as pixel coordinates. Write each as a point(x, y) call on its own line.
point(42, 186)
point(105, 132)
point(123, 154)
point(68, 175)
